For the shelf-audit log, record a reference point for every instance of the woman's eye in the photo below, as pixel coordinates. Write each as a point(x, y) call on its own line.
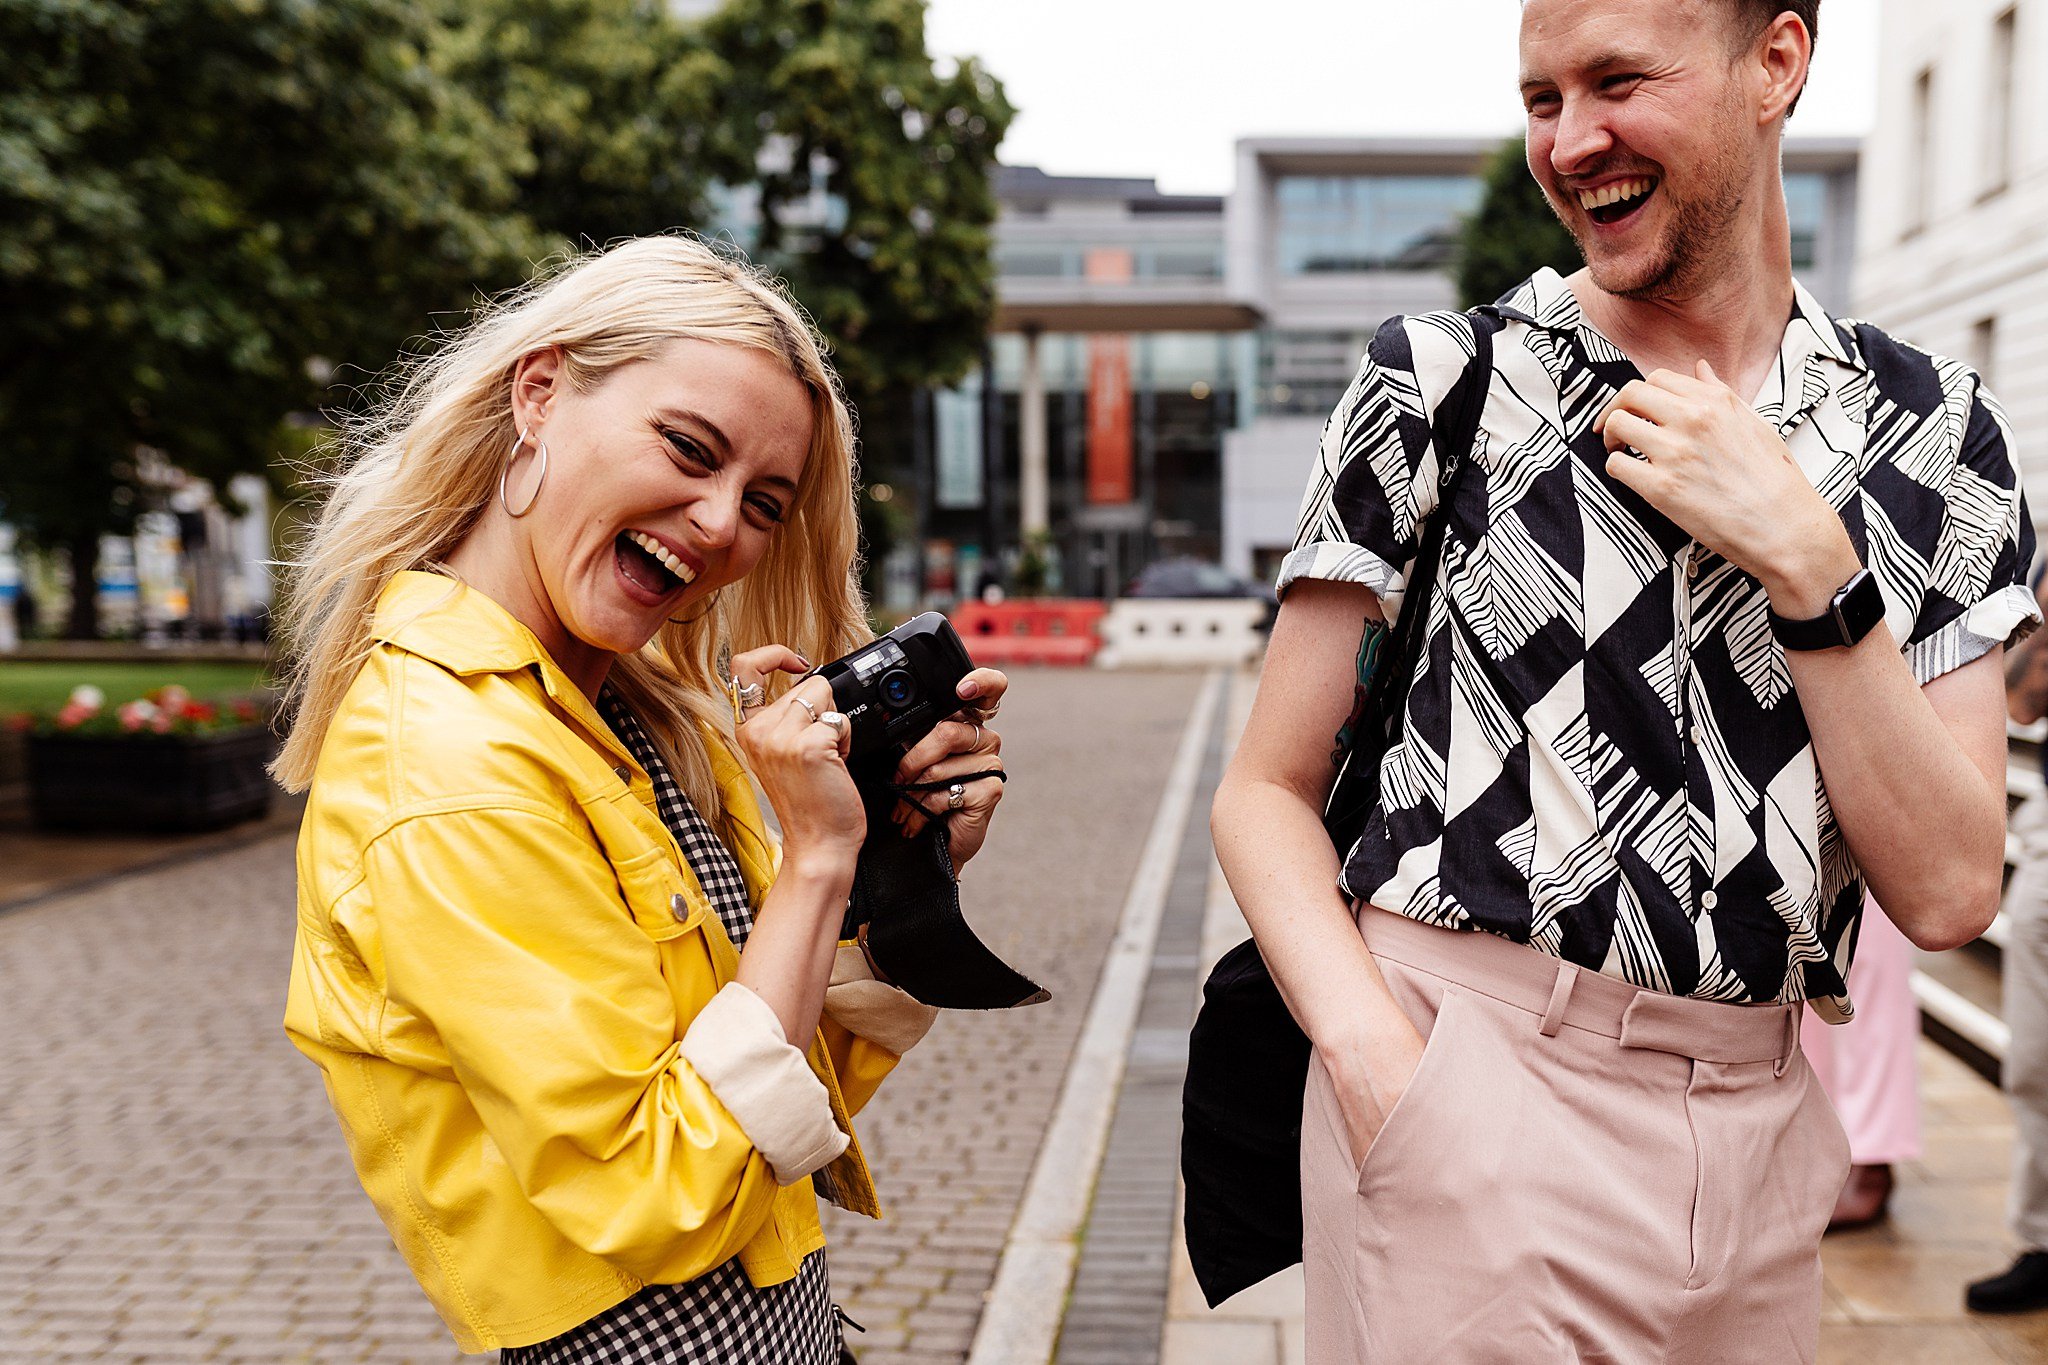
point(687, 448)
point(769, 509)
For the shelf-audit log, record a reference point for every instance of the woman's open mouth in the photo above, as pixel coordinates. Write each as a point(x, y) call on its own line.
point(1618, 201)
point(649, 565)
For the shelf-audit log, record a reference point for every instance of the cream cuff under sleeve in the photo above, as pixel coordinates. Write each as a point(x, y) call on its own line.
point(877, 1012)
point(736, 1045)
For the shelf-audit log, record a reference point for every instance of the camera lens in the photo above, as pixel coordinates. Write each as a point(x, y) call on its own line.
point(899, 689)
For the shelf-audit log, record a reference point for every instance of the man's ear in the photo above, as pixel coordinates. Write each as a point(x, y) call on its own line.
point(1782, 57)
point(535, 381)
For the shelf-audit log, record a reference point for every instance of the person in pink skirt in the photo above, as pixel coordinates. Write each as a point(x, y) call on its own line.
point(1869, 1070)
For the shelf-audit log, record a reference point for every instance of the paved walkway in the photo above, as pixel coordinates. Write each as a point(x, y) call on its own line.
point(173, 1186)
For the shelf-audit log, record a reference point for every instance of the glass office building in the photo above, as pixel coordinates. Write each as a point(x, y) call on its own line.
point(1183, 351)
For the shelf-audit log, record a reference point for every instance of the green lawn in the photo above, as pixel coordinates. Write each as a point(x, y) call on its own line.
point(29, 686)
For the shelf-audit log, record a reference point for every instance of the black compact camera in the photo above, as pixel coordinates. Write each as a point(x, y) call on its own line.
point(905, 904)
point(897, 688)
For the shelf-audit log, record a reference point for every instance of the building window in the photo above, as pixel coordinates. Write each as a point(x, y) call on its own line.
point(1345, 224)
point(1984, 347)
point(1182, 261)
point(1806, 207)
point(1035, 262)
point(1920, 174)
point(1303, 374)
point(1998, 116)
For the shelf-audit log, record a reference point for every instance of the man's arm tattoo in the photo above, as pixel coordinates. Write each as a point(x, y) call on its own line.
point(1371, 649)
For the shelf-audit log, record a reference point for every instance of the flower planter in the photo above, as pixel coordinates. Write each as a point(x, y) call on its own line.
point(160, 783)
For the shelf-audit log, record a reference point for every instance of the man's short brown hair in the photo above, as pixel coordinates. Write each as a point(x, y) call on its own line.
point(1752, 17)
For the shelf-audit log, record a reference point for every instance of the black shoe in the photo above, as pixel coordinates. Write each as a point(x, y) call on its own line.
point(2022, 1289)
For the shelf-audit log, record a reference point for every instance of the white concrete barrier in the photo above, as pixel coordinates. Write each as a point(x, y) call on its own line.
point(1154, 632)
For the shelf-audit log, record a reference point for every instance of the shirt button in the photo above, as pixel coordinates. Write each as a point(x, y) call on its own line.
point(1697, 739)
point(1692, 567)
point(1708, 900)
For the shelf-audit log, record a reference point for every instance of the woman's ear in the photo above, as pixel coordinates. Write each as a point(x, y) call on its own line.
point(535, 381)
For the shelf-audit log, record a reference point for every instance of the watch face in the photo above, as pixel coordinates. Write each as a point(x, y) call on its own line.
point(1859, 607)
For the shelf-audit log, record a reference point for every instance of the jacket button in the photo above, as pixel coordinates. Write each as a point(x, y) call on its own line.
point(679, 905)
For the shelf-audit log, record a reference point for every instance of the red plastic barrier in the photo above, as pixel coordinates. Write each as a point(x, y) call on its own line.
point(1044, 630)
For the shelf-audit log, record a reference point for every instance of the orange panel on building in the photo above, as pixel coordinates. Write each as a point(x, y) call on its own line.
point(1110, 477)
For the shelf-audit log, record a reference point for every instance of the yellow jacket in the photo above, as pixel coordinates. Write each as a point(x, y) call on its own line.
point(523, 1004)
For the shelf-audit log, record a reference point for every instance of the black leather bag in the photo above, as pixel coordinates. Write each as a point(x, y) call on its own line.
point(1240, 1152)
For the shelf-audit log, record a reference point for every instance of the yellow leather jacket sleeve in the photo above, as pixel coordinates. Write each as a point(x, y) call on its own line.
point(525, 978)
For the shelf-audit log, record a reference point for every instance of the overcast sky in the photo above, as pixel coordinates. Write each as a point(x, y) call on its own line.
point(1164, 88)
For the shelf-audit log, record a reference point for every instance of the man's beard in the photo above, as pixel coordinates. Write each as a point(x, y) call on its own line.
point(1698, 236)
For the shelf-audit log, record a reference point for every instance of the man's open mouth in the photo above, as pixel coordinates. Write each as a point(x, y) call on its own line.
point(1615, 201)
point(650, 564)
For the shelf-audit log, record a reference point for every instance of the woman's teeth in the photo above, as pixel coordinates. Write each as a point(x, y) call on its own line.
point(662, 555)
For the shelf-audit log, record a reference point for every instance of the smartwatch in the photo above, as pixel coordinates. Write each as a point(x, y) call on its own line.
point(1852, 613)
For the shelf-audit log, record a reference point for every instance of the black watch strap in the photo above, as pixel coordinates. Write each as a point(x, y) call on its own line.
point(1853, 612)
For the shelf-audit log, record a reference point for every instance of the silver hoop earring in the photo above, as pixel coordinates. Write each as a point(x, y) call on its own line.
point(541, 452)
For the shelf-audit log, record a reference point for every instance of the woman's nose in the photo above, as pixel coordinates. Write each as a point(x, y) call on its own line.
point(716, 519)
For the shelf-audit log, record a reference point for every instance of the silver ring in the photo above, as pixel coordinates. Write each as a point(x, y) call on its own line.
point(977, 738)
point(956, 796)
point(748, 695)
point(837, 721)
point(807, 706)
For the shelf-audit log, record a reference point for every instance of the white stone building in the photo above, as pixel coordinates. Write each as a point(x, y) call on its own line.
point(1953, 212)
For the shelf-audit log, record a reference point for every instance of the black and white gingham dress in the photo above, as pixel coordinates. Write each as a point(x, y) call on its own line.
point(719, 1318)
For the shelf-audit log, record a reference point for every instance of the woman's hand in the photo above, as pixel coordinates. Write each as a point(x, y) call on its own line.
point(958, 748)
point(1369, 1076)
point(799, 756)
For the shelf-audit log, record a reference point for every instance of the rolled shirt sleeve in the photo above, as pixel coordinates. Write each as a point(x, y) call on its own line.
point(1977, 596)
point(736, 1044)
point(1375, 477)
point(872, 1009)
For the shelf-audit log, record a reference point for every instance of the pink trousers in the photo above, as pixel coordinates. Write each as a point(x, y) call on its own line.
point(1579, 1172)
point(1870, 1066)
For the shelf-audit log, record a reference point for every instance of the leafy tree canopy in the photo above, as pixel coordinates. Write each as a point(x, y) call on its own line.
point(203, 200)
point(875, 193)
point(1513, 234)
point(197, 196)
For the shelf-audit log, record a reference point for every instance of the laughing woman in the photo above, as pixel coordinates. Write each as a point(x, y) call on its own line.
point(590, 1032)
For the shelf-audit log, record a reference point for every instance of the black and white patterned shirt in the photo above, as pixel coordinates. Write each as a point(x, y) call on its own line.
point(719, 1318)
point(1602, 755)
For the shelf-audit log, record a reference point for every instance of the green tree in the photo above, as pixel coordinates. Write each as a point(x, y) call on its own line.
point(1512, 234)
point(612, 105)
point(198, 199)
point(874, 191)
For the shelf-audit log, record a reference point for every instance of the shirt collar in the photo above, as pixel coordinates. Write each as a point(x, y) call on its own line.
point(449, 623)
point(1545, 300)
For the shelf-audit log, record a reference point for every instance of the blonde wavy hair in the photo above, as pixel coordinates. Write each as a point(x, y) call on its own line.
point(416, 473)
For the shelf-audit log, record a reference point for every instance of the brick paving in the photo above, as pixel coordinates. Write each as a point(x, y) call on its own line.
point(1119, 1295)
point(952, 1137)
point(173, 1187)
